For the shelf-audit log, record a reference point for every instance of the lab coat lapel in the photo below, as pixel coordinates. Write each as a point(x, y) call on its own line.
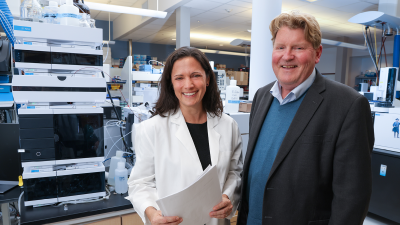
point(213, 138)
point(183, 135)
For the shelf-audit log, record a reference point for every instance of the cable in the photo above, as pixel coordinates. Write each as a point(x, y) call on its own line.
point(19, 202)
point(108, 48)
point(369, 50)
point(116, 113)
point(116, 143)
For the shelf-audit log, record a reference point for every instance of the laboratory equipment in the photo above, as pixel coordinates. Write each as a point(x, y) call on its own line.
point(31, 10)
point(61, 118)
point(113, 165)
point(50, 12)
point(69, 14)
point(121, 179)
point(232, 98)
point(10, 167)
point(222, 80)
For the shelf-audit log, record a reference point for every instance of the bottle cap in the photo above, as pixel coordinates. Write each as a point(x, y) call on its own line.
point(53, 4)
point(121, 165)
point(119, 154)
point(233, 83)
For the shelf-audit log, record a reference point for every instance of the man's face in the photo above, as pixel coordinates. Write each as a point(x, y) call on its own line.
point(293, 57)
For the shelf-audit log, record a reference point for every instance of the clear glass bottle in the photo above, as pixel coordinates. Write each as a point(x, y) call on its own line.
point(50, 12)
point(31, 10)
point(91, 22)
point(83, 22)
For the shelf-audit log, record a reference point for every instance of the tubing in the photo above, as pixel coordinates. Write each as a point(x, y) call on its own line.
point(6, 21)
point(396, 50)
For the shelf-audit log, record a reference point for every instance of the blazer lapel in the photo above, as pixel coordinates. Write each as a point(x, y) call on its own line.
point(306, 111)
point(257, 122)
point(213, 138)
point(183, 135)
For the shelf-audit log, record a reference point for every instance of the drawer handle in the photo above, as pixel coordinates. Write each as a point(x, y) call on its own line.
point(38, 153)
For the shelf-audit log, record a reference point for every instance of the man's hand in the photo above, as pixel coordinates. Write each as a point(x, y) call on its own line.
point(223, 209)
point(156, 218)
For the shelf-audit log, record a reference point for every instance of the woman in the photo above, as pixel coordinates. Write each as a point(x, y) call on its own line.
point(187, 132)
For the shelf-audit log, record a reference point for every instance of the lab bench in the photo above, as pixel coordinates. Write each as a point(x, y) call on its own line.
point(114, 211)
point(385, 198)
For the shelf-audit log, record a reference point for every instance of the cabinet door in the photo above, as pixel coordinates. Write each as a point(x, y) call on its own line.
point(132, 219)
point(112, 221)
point(234, 218)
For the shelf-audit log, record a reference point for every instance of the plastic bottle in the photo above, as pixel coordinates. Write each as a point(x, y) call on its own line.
point(113, 165)
point(232, 98)
point(31, 10)
point(121, 179)
point(69, 14)
point(50, 12)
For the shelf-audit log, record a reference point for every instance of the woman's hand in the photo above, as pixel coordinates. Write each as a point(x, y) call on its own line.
point(156, 217)
point(223, 209)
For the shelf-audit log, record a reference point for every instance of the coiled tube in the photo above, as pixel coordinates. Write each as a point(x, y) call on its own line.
point(6, 21)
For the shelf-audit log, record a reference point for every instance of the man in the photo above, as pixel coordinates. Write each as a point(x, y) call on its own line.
point(308, 159)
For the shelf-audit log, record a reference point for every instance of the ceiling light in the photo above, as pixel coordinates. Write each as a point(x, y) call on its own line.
point(126, 10)
point(174, 39)
point(249, 31)
point(211, 37)
point(223, 52)
point(309, 0)
point(221, 44)
point(198, 21)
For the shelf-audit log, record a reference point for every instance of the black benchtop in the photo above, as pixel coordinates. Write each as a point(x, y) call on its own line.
point(51, 214)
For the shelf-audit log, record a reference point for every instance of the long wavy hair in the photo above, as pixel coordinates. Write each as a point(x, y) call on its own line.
point(168, 102)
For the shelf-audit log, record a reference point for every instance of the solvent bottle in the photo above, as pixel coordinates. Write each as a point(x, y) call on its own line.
point(232, 98)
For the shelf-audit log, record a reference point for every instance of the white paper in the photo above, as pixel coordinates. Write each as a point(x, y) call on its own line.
point(195, 202)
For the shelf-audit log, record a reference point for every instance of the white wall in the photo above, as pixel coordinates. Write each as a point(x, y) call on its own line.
point(14, 6)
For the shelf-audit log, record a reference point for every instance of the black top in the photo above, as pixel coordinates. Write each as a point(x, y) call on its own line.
point(199, 135)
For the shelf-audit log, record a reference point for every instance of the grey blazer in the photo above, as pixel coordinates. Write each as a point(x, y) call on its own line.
point(322, 172)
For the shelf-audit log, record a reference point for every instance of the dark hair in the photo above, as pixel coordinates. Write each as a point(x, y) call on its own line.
point(168, 101)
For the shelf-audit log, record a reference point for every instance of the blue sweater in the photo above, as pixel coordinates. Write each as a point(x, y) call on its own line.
point(276, 124)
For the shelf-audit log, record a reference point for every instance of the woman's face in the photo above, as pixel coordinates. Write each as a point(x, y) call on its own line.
point(189, 81)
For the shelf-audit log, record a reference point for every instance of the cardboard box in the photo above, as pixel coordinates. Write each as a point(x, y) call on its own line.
point(245, 107)
point(242, 78)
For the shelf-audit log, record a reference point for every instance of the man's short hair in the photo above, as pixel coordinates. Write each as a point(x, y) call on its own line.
point(295, 20)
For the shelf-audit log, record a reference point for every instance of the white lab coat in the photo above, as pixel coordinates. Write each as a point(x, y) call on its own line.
point(167, 160)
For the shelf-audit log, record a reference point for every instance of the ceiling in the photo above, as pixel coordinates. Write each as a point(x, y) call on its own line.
point(214, 23)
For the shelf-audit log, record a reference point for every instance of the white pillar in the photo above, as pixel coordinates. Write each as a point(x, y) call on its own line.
point(182, 27)
point(341, 60)
point(261, 72)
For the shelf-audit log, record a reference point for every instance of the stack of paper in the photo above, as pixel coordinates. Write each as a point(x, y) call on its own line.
point(195, 202)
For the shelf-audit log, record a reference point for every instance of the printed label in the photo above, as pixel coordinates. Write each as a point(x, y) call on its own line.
point(54, 15)
point(34, 171)
point(383, 170)
point(27, 43)
point(234, 101)
point(21, 150)
point(377, 114)
point(31, 107)
point(22, 28)
point(68, 15)
point(28, 73)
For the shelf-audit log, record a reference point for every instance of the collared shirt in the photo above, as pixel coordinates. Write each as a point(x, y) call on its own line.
point(295, 93)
